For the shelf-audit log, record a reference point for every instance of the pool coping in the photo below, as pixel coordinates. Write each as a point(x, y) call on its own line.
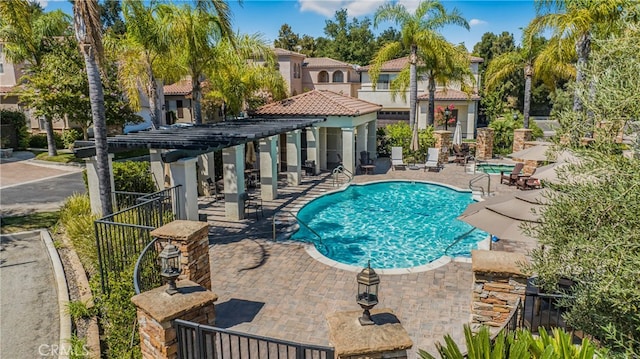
point(441, 261)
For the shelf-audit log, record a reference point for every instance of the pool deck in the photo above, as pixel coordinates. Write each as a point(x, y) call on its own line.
point(276, 289)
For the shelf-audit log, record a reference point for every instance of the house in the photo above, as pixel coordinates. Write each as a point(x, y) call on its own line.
point(393, 110)
point(323, 73)
point(349, 129)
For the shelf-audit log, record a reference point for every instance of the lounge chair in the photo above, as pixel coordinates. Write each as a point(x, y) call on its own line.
point(461, 157)
point(512, 177)
point(433, 159)
point(525, 182)
point(396, 158)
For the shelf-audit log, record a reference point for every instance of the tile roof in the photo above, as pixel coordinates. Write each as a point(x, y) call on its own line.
point(182, 87)
point(7, 89)
point(314, 62)
point(450, 95)
point(400, 63)
point(280, 51)
point(318, 103)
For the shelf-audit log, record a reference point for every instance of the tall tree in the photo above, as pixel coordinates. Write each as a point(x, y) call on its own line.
point(110, 14)
point(349, 41)
point(287, 39)
point(88, 30)
point(576, 21)
point(195, 32)
point(419, 31)
point(28, 35)
point(492, 46)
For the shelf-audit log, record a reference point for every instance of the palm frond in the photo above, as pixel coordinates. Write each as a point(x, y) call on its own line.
point(386, 53)
point(391, 12)
point(86, 15)
point(501, 67)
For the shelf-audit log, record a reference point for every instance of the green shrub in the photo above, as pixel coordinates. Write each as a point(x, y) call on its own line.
point(19, 122)
point(69, 137)
point(78, 310)
point(503, 128)
point(130, 176)
point(77, 220)
point(399, 135)
point(39, 140)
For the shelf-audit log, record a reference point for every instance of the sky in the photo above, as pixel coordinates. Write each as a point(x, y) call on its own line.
point(309, 16)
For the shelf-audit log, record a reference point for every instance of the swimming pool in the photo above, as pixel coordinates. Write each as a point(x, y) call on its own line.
point(494, 168)
point(395, 224)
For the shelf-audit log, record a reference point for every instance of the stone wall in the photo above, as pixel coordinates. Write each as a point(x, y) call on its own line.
point(498, 282)
point(484, 144)
point(443, 143)
point(520, 136)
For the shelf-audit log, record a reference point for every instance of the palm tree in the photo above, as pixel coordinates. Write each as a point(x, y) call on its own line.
point(28, 35)
point(577, 21)
point(418, 31)
point(88, 28)
point(240, 73)
point(195, 33)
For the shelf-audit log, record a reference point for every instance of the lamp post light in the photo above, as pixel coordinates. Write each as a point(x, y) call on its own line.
point(447, 113)
point(367, 296)
point(515, 116)
point(170, 266)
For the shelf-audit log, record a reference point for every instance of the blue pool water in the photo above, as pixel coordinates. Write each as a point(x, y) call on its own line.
point(395, 224)
point(494, 168)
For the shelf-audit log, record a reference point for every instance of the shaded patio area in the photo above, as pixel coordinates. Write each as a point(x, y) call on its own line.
point(276, 289)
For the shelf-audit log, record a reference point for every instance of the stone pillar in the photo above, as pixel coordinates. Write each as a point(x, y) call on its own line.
point(472, 120)
point(484, 144)
point(294, 160)
point(94, 185)
point(323, 148)
point(498, 283)
point(443, 142)
point(347, 149)
point(156, 311)
point(233, 173)
point(361, 141)
point(268, 168)
point(372, 140)
point(313, 150)
point(520, 136)
point(157, 168)
point(387, 338)
point(183, 172)
point(192, 238)
point(206, 169)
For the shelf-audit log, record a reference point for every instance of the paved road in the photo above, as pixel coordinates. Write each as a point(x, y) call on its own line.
point(29, 319)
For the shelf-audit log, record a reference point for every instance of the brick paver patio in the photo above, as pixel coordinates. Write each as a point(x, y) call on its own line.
point(276, 289)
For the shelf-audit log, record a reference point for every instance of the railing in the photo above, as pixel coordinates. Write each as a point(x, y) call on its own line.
point(121, 236)
point(513, 321)
point(341, 170)
point(460, 237)
point(543, 310)
point(125, 200)
point(299, 221)
point(197, 341)
point(473, 181)
point(145, 273)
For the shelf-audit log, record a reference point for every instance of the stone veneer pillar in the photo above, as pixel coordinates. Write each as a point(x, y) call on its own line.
point(498, 282)
point(520, 136)
point(156, 311)
point(484, 144)
point(443, 142)
point(387, 338)
point(192, 238)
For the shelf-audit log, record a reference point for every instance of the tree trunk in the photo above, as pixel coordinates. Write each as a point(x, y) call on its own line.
point(96, 97)
point(196, 95)
point(432, 101)
point(528, 73)
point(51, 139)
point(413, 85)
point(152, 91)
point(583, 48)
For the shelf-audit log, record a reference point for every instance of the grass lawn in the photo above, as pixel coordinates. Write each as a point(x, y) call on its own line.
point(29, 222)
point(60, 158)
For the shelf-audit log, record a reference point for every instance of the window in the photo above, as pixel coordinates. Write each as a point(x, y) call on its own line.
point(323, 76)
point(180, 109)
point(296, 71)
point(383, 82)
point(338, 76)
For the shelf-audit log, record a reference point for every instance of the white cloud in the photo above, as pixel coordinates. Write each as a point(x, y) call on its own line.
point(410, 5)
point(476, 22)
point(43, 3)
point(328, 8)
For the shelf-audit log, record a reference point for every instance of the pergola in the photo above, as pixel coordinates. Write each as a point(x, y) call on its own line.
point(182, 147)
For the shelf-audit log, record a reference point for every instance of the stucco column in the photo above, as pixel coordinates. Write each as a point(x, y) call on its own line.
point(294, 164)
point(183, 173)
point(372, 140)
point(157, 168)
point(206, 169)
point(323, 147)
point(472, 119)
point(94, 187)
point(268, 168)
point(313, 150)
point(347, 149)
point(233, 172)
point(361, 141)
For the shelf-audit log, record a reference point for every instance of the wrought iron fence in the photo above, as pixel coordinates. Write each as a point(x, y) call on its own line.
point(146, 274)
point(197, 341)
point(543, 310)
point(121, 236)
point(125, 200)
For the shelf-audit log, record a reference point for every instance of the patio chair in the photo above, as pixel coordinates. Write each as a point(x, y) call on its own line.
point(253, 202)
point(216, 189)
point(512, 177)
point(396, 158)
point(367, 165)
point(433, 159)
point(526, 182)
point(461, 157)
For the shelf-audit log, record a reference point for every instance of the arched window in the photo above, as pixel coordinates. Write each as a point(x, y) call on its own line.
point(323, 76)
point(338, 76)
